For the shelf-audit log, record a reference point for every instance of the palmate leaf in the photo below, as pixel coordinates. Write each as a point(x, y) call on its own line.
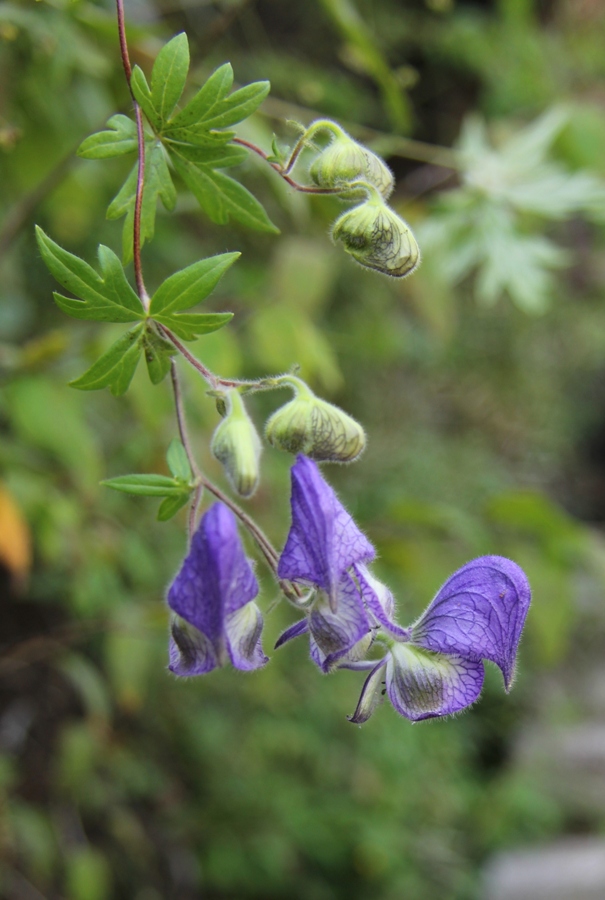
point(119, 139)
point(116, 367)
point(105, 298)
point(158, 184)
point(169, 75)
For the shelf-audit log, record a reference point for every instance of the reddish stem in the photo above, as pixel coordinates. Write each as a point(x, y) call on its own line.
point(303, 188)
point(138, 201)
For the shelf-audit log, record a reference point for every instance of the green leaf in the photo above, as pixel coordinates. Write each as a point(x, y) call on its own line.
point(207, 98)
point(189, 326)
point(142, 94)
point(106, 298)
point(116, 367)
point(170, 507)
point(237, 107)
point(146, 485)
point(178, 463)
point(169, 75)
point(158, 354)
point(158, 184)
point(217, 157)
point(221, 197)
point(191, 285)
point(121, 138)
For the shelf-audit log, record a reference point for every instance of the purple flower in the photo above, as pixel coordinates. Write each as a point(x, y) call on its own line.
point(322, 548)
point(433, 668)
point(437, 670)
point(323, 541)
point(216, 621)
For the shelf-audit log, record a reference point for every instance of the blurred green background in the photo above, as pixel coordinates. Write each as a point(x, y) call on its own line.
point(480, 381)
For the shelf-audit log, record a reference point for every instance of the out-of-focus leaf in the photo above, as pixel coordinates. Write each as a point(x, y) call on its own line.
point(88, 875)
point(49, 417)
point(119, 139)
point(116, 367)
point(130, 655)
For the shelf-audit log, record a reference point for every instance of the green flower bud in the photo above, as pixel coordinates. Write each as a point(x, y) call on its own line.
point(378, 238)
point(311, 426)
point(344, 160)
point(236, 444)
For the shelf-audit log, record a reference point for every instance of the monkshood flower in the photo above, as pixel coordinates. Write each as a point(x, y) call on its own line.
point(216, 621)
point(344, 161)
point(236, 444)
point(435, 667)
point(321, 550)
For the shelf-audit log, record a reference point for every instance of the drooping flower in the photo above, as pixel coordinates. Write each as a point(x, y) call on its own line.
point(435, 667)
point(216, 621)
point(323, 541)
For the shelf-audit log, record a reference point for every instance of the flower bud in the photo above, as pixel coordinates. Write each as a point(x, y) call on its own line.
point(237, 445)
point(319, 430)
point(344, 160)
point(378, 238)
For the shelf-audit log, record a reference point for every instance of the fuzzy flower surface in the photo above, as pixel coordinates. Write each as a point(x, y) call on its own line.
point(433, 668)
point(216, 621)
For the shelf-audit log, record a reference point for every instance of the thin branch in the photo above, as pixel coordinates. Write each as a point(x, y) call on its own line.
point(303, 188)
point(206, 374)
point(268, 550)
point(138, 202)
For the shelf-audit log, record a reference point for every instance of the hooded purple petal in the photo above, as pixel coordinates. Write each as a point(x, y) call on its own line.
point(323, 541)
point(422, 685)
point(214, 583)
point(338, 634)
point(478, 614)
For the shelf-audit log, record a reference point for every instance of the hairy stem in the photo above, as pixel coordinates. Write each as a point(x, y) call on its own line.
point(138, 202)
point(303, 188)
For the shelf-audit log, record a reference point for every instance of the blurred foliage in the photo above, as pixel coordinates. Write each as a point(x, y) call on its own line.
point(485, 423)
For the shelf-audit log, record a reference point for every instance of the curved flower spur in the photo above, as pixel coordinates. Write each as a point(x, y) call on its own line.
point(435, 667)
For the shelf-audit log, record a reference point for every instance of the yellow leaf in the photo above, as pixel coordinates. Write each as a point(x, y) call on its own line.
point(15, 542)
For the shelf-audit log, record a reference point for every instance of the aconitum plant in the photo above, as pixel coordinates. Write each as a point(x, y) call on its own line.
point(433, 667)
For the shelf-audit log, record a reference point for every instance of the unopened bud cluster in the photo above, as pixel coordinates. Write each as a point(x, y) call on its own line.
point(372, 233)
point(306, 424)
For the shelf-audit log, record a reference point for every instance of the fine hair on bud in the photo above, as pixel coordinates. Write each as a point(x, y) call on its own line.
point(319, 430)
point(236, 444)
point(377, 238)
point(344, 161)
